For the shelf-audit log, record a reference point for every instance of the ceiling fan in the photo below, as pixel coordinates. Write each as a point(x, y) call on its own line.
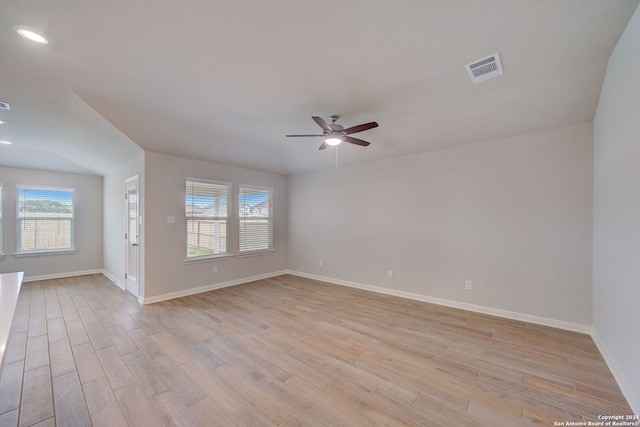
point(335, 134)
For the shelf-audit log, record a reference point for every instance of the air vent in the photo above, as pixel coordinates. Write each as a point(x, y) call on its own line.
point(5, 106)
point(485, 68)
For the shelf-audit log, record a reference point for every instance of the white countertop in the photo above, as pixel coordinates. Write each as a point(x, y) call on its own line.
point(9, 289)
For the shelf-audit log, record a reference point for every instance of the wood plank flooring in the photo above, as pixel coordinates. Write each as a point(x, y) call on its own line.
point(288, 351)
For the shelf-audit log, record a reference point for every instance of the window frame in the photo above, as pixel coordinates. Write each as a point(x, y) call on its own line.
point(227, 253)
point(270, 248)
point(43, 251)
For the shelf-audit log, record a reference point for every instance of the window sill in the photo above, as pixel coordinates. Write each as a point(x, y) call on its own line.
point(255, 253)
point(207, 258)
point(46, 252)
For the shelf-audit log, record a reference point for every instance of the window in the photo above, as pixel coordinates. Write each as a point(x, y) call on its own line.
point(45, 219)
point(207, 211)
point(256, 219)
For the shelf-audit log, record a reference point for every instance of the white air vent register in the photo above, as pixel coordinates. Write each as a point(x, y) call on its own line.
point(4, 106)
point(485, 68)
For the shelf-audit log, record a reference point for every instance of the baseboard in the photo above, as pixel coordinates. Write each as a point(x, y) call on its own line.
point(114, 279)
point(554, 323)
point(627, 388)
point(212, 287)
point(561, 324)
point(61, 275)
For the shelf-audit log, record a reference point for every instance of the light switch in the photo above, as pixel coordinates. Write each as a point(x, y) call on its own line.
point(171, 219)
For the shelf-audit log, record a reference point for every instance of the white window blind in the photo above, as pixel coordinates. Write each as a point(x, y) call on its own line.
point(255, 219)
point(45, 219)
point(207, 211)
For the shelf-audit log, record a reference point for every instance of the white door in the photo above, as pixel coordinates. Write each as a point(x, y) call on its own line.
point(131, 236)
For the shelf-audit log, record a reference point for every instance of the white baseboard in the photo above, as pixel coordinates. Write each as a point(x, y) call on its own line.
point(114, 279)
point(561, 324)
point(198, 290)
point(61, 275)
point(554, 323)
point(627, 388)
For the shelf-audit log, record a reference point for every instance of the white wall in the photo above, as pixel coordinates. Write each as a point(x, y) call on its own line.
point(616, 267)
point(165, 244)
point(114, 219)
point(511, 215)
point(88, 224)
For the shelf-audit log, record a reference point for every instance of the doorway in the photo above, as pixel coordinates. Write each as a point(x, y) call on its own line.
point(132, 228)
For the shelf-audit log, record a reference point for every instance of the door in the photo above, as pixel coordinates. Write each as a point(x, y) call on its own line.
point(132, 227)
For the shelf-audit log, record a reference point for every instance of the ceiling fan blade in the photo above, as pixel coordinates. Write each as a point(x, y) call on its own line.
point(320, 121)
point(360, 128)
point(323, 146)
point(298, 136)
point(355, 141)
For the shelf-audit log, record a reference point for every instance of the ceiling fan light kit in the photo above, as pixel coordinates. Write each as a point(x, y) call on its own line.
point(335, 134)
point(333, 140)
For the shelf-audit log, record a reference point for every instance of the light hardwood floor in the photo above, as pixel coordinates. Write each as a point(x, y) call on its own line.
point(288, 351)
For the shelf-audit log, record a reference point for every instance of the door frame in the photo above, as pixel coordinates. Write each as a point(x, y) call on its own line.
point(128, 184)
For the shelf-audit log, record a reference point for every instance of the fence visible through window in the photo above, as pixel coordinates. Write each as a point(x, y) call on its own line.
point(255, 219)
point(205, 237)
point(45, 219)
point(207, 210)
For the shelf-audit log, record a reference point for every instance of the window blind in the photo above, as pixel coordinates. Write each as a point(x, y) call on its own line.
point(45, 219)
point(207, 211)
point(255, 219)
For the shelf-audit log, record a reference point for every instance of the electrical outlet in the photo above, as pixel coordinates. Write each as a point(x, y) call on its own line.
point(389, 273)
point(321, 263)
point(468, 285)
point(214, 269)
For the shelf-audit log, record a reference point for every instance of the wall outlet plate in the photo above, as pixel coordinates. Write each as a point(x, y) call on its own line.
point(468, 284)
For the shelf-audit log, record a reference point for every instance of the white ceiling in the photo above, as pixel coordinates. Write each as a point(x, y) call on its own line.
point(226, 80)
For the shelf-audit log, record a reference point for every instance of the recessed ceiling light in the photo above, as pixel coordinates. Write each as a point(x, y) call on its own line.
point(1, 122)
point(6, 142)
point(31, 35)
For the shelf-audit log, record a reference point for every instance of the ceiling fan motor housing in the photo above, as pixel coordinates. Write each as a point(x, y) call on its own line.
point(334, 125)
